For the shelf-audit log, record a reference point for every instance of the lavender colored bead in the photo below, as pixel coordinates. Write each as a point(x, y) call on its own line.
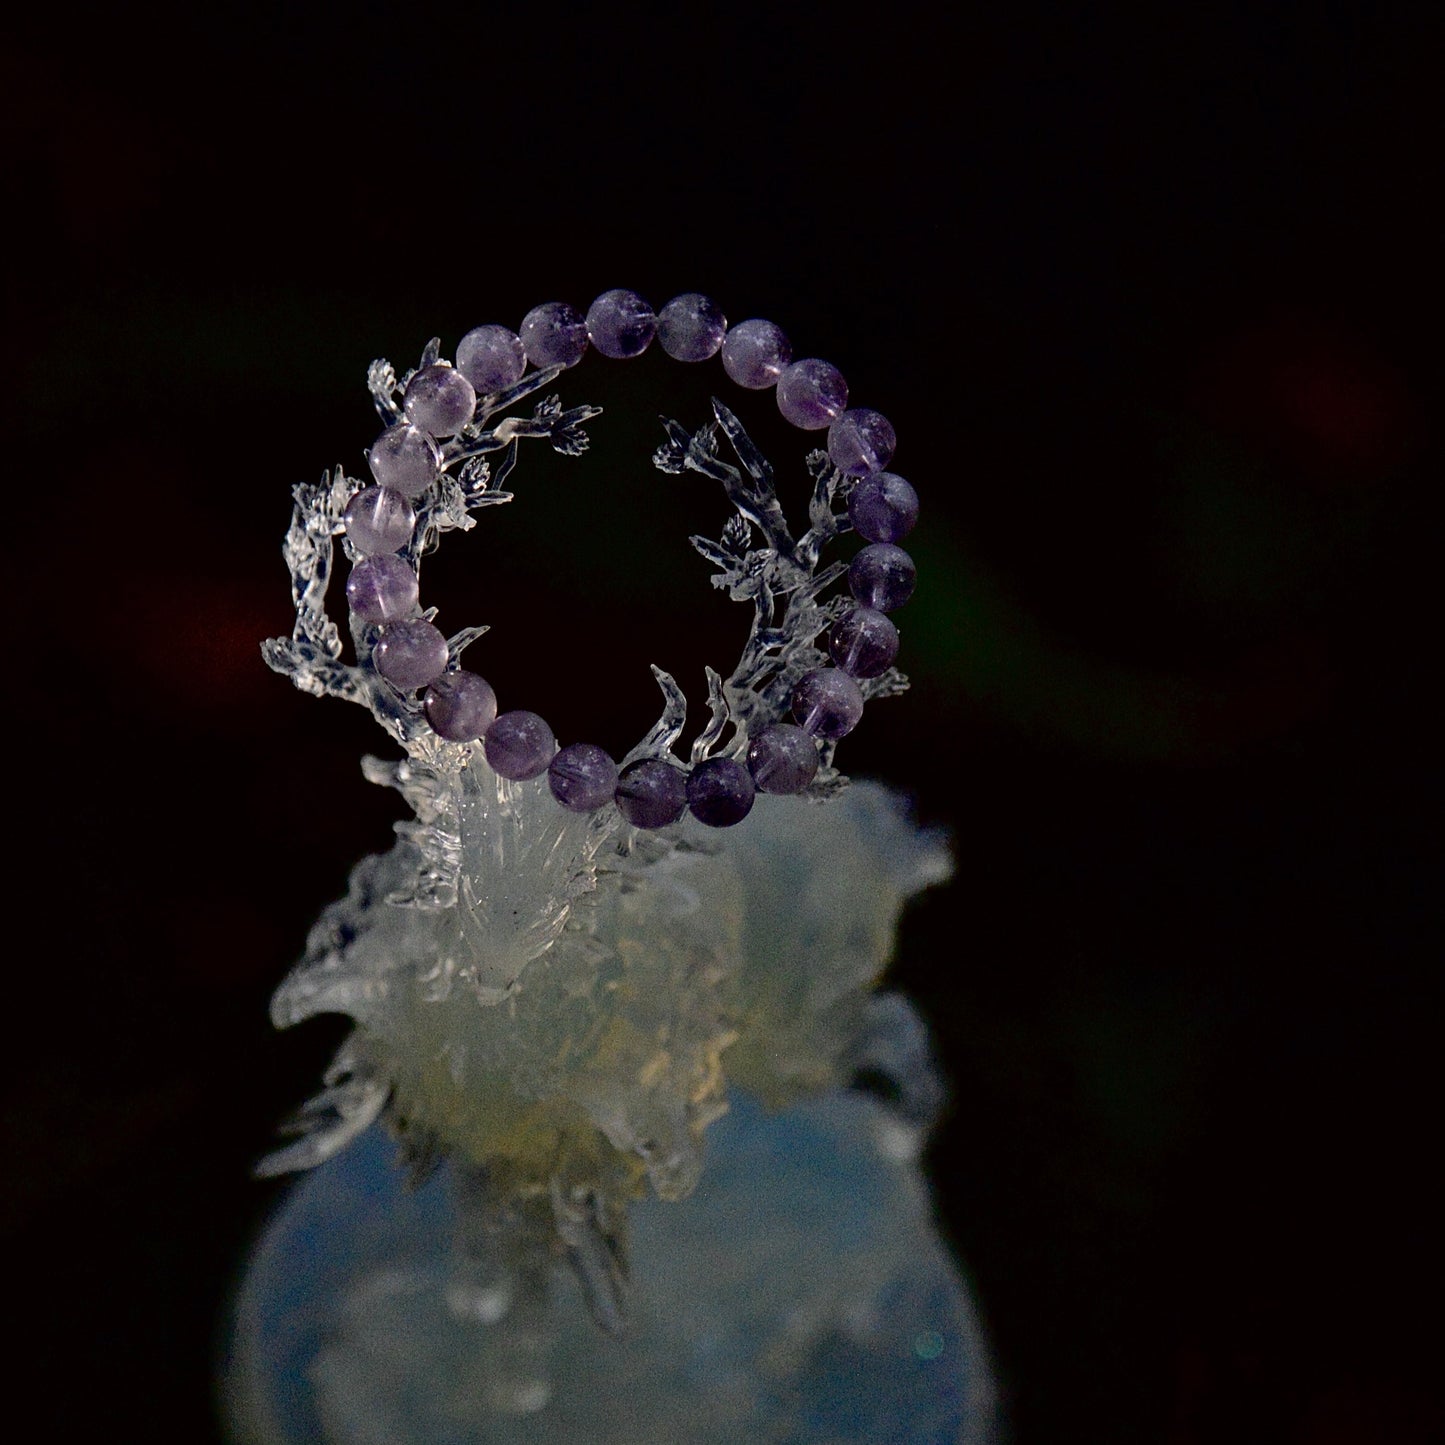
point(381, 589)
point(519, 745)
point(405, 459)
point(720, 792)
point(410, 654)
point(651, 793)
point(460, 706)
point(691, 327)
point(811, 393)
point(828, 703)
point(881, 576)
point(782, 759)
point(883, 508)
point(439, 400)
point(864, 643)
point(621, 324)
point(554, 334)
point(754, 354)
point(862, 441)
point(378, 520)
point(582, 778)
point(491, 358)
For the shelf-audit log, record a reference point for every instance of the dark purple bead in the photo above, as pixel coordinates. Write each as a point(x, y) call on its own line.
point(381, 589)
point(491, 358)
point(410, 654)
point(651, 793)
point(828, 703)
point(754, 354)
point(379, 520)
point(554, 334)
point(782, 759)
point(864, 643)
point(811, 393)
point(881, 576)
point(404, 458)
point(621, 324)
point(861, 441)
point(582, 778)
point(460, 706)
point(439, 400)
point(720, 792)
point(691, 327)
point(519, 745)
point(883, 508)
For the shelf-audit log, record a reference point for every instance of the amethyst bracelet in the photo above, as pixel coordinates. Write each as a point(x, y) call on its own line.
point(410, 653)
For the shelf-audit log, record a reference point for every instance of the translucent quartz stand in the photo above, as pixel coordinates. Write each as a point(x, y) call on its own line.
point(801, 1295)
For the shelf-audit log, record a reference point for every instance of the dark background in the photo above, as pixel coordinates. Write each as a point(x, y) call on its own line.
point(1150, 299)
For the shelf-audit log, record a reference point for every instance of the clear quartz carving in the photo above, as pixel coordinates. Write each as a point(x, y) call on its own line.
point(554, 1013)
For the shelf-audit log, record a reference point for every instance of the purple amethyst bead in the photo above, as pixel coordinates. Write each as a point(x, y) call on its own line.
point(828, 703)
point(782, 759)
point(381, 589)
point(720, 792)
point(754, 354)
point(651, 793)
point(811, 393)
point(621, 324)
point(439, 400)
point(405, 459)
point(883, 508)
point(554, 334)
point(410, 654)
point(460, 706)
point(881, 576)
point(864, 643)
point(691, 327)
point(379, 520)
point(582, 777)
point(862, 441)
point(519, 745)
point(491, 358)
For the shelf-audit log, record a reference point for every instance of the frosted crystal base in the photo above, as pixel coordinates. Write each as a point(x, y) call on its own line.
point(801, 1296)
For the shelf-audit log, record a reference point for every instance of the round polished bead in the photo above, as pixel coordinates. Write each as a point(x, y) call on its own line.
point(582, 777)
point(811, 393)
point(460, 706)
point(720, 792)
point(621, 324)
point(381, 589)
point(410, 654)
point(881, 576)
point(883, 508)
point(491, 358)
point(864, 643)
point(554, 334)
point(651, 793)
point(828, 703)
point(405, 459)
point(440, 400)
point(691, 327)
point(754, 354)
point(862, 441)
point(378, 520)
point(782, 759)
point(519, 745)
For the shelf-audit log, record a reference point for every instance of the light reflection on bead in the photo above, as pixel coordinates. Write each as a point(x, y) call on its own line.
point(754, 354)
point(828, 703)
point(379, 519)
point(519, 745)
point(811, 393)
point(381, 589)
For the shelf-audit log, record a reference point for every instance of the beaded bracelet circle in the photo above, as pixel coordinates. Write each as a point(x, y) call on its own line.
point(430, 472)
